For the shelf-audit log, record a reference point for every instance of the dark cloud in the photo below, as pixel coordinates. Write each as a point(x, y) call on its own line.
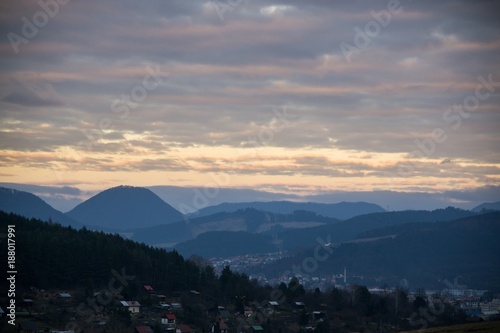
point(228, 75)
point(32, 92)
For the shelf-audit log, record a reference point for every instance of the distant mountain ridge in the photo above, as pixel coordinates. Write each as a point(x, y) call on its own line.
point(487, 206)
point(29, 205)
point(342, 210)
point(249, 220)
point(291, 239)
point(137, 213)
point(125, 207)
point(427, 254)
point(350, 229)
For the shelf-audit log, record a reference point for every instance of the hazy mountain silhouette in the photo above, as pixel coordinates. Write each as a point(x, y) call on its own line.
point(426, 254)
point(487, 206)
point(289, 236)
point(29, 205)
point(125, 207)
point(341, 210)
point(349, 229)
point(249, 220)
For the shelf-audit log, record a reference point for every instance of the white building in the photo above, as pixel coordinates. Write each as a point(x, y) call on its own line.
point(133, 306)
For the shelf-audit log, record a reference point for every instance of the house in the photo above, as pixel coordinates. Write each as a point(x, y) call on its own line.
point(170, 321)
point(494, 305)
point(2, 312)
point(273, 304)
point(165, 306)
point(64, 296)
point(143, 329)
point(149, 289)
point(177, 307)
point(300, 305)
point(28, 326)
point(257, 329)
point(470, 304)
point(27, 302)
point(133, 306)
point(317, 315)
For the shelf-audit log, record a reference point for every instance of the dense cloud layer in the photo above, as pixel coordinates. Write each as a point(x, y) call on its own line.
point(313, 93)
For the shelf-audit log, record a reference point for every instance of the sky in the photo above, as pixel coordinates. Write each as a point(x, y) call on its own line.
point(296, 97)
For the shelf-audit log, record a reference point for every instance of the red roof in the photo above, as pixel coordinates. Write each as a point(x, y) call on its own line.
point(148, 288)
point(170, 316)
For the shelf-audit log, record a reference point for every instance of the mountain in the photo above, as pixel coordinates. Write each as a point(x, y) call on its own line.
point(488, 206)
point(290, 232)
point(249, 220)
point(62, 198)
point(426, 256)
point(294, 231)
point(31, 206)
point(349, 229)
point(124, 207)
point(341, 210)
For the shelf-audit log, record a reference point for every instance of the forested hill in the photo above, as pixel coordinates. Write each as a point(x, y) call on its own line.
point(54, 256)
point(31, 206)
point(426, 254)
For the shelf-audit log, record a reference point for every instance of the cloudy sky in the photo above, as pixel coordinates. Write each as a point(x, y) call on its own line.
point(300, 97)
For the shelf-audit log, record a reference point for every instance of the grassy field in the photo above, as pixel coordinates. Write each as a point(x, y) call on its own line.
point(484, 327)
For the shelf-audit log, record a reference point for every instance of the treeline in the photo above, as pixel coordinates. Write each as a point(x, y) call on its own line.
point(53, 256)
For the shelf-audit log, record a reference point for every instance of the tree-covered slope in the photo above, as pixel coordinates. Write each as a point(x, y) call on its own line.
point(54, 256)
point(426, 254)
point(249, 220)
point(350, 229)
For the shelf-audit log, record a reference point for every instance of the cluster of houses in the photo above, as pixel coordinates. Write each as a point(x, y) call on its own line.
point(26, 310)
point(224, 319)
point(159, 311)
point(168, 320)
point(166, 313)
point(473, 307)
